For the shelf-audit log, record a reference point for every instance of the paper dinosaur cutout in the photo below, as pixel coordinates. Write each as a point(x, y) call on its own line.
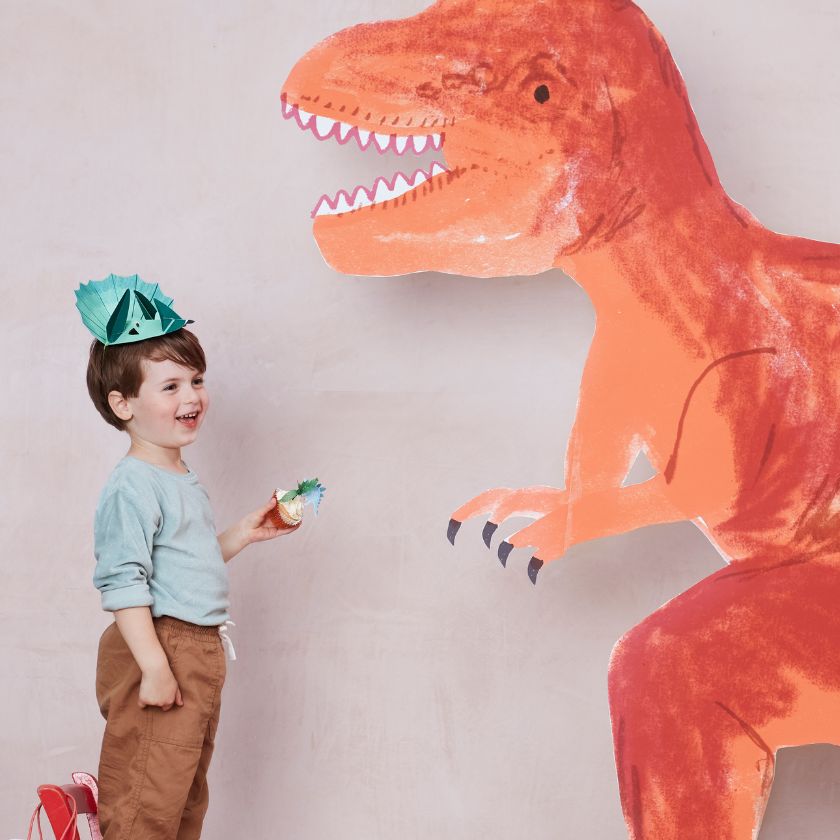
point(121, 310)
point(570, 143)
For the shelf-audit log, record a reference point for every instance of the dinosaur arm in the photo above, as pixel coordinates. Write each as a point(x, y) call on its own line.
point(616, 511)
point(607, 432)
point(602, 446)
point(603, 443)
point(704, 483)
point(599, 514)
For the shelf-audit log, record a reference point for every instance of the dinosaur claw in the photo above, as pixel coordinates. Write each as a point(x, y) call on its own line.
point(452, 530)
point(533, 569)
point(505, 549)
point(487, 533)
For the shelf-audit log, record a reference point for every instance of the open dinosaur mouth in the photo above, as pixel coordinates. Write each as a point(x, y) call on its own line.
point(400, 185)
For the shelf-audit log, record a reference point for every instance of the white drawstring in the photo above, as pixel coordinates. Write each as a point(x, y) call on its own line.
point(227, 644)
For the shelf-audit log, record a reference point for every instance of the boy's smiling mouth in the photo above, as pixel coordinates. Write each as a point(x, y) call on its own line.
point(190, 419)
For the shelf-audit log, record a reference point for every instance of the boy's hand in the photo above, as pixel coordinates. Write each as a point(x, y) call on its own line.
point(159, 687)
point(255, 527)
point(259, 525)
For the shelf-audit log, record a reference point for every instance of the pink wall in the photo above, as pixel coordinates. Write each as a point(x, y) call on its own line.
point(387, 686)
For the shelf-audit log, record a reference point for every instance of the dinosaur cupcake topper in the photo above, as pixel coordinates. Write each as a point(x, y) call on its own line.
point(288, 511)
point(120, 310)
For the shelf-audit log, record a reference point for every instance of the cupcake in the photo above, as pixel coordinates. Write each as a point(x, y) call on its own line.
point(288, 512)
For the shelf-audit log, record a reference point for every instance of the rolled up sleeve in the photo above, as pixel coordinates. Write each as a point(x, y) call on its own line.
point(124, 530)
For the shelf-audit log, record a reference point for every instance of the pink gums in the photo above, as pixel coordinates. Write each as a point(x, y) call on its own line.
point(371, 192)
point(293, 112)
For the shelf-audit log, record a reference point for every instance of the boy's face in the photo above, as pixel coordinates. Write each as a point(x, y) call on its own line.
point(170, 407)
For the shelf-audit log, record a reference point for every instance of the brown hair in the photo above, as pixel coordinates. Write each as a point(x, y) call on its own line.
point(118, 367)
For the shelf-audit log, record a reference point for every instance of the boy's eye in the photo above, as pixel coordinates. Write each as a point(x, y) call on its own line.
point(170, 387)
point(199, 380)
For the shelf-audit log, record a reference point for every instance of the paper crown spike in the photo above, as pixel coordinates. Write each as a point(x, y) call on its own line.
point(120, 310)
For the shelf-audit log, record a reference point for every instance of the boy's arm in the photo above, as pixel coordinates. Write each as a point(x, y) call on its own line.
point(231, 542)
point(124, 531)
point(158, 686)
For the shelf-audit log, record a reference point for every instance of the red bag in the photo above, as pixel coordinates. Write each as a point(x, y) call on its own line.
point(63, 804)
point(69, 832)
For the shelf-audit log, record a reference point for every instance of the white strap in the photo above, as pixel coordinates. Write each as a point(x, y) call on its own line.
point(227, 644)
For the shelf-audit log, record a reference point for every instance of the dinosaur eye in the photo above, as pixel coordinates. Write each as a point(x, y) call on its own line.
point(541, 94)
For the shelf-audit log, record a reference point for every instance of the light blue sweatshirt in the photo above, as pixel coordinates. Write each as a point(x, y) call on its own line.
point(155, 545)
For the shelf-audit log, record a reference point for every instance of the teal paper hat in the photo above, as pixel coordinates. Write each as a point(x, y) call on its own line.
point(119, 310)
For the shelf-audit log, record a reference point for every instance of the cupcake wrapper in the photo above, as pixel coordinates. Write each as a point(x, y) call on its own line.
point(281, 517)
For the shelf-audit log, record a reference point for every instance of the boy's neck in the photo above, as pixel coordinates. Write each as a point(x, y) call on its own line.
point(161, 456)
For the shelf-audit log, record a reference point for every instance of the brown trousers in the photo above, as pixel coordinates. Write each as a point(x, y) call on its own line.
point(153, 764)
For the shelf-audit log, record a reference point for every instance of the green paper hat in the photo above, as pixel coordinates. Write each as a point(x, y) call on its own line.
point(119, 310)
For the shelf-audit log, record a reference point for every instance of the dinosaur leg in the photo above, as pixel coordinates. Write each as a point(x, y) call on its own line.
point(704, 691)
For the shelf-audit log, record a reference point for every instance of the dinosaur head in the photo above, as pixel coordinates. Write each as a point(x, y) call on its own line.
point(553, 123)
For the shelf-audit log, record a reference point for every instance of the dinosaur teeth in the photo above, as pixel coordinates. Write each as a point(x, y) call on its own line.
point(303, 117)
point(382, 190)
point(324, 127)
point(341, 205)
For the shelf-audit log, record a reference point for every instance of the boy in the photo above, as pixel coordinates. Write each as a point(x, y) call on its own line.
point(160, 568)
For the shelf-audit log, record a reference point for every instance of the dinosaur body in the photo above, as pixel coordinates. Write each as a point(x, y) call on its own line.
point(570, 143)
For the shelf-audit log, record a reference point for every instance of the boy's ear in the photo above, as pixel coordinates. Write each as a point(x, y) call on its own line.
point(119, 405)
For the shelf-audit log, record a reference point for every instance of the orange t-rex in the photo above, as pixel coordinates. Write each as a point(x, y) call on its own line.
point(570, 143)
